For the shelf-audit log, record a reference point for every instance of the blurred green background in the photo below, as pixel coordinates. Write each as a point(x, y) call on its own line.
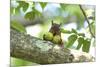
point(35, 18)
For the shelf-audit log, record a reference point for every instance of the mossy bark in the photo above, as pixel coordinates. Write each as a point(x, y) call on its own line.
point(36, 50)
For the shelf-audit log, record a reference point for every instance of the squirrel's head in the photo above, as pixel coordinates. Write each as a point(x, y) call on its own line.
point(55, 26)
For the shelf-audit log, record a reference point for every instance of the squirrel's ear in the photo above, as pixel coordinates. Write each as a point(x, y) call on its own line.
point(52, 22)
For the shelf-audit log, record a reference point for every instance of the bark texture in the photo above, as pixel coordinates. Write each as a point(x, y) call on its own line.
point(36, 50)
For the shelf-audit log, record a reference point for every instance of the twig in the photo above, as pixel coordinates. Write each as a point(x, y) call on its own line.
point(87, 21)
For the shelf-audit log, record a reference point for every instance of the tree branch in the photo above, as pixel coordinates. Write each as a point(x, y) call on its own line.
point(36, 50)
point(25, 22)
point(87, 21)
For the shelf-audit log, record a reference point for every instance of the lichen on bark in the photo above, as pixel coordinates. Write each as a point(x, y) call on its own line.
point(39, 51)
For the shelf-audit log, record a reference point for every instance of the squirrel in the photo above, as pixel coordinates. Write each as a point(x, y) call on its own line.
point(54, 34)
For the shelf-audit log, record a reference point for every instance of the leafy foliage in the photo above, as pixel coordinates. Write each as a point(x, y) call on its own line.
point(63, 6)
point(79, 37)
point(11, 10)
point(23, 4)
point(17, 26)
point(30, 15)
point(80, 42)
point(74, 31)
point(74, 11)
point(65, 31)
point(86, 45)
point(19, 62)
point(17, 10)
point(43, 4)
point(71, 40)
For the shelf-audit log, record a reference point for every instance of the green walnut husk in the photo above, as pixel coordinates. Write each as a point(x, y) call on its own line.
point(48, 36)
point(56, 39)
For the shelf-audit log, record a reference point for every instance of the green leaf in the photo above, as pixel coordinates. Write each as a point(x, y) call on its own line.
point(80, 42)
point(37, 13)
point(63, 6)
point(71, 40)
point(17, 26)
point(24, 5)
point(12, 10)
point(81, 34)
point(17, 10)
point(65, 31)
point(86, 45)
point(74, 31)
point(43, 4)
point(19, 62)
point(30, 15)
